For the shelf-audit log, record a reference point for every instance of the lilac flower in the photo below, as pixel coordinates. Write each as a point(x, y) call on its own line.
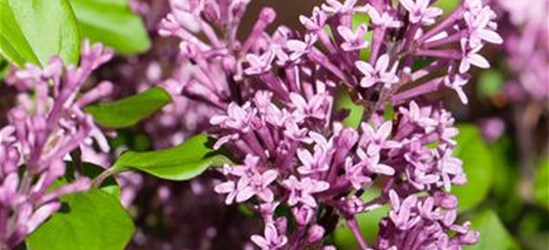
point(457, 83)
point(301, 191)
point(375, 140)
point(372, 163)
point(420, 11)
point(40, 135)
point(383, 19)
point(471, 57)
point(353, 40)
point(249, 182)
point(259, 64)
point(281, 115)
point(379, 73)
point(272, 240)
point(355, 174)
point(479, 30)
point(312, 163)
point(334, 6)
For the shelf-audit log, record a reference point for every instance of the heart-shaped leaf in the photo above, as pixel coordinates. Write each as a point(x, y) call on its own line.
point(182, 162)
point(93, 220)
point(129, 111)
point(32, 31)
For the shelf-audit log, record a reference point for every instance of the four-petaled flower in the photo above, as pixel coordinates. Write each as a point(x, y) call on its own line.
point(383, 19)
point(272, 239)
point(335, 6)
point(372, 163)
point(420, 11)
point(354, 173)
point(479, 28)
point(312, 163)
point(259, 64)
point(301, 191)
point(314, 108)
point(375, 140)
point(353, 40)
point(401, 213)
point(471, 56)
point(419, 116)
point(379, 73)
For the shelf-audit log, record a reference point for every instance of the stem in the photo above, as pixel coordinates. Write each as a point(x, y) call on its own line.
point(96, 183)
point(355, 229)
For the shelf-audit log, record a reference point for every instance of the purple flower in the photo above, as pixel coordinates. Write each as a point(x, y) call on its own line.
point(383, 19)
point(457, 82)
point(376, 140)
point(335, 6)
point(470, 56)
point(372, 163)
point(259, 64)
point(301, 191)
point(379, 73)
point(478, 28)
point(40, 135)
point(312, 163)
point(272, 240)
point(249, 182)
point(353, 40)
point(354, 173)
point(420, 11)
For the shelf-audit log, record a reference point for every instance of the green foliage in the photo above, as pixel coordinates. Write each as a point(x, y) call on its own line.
point(541, 184)
point(490, 83)
point(112, 23)
point(4, 69)
point(447, 5)
point(179, 163)
point(129, 111)
point(477, 164)
point(493, 234)
point(32, 31)
point(369, 224)
point(344, 102)
point(91, 171)
point(94, 220)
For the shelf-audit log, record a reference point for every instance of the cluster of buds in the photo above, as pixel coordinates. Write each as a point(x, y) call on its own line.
point(46, 125)
point(275, 96)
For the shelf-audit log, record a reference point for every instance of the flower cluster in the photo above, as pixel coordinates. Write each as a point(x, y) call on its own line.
point(44, 128)
point(276, 94)
point(527, 49)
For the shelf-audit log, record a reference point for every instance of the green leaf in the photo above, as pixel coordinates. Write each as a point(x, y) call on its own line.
point(344, 102)
point(91, 171)
point(93, 220)
point(447, 6)
point(493, 234)
point(541, 184)
point(4, 69)
point(129, 111)
point(369, 224)
point(32, 31)
point(182, 162)
point(112, 23)
point(477, 164)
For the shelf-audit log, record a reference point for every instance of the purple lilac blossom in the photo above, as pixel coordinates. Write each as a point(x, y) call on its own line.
point(46, 125)
point(527, 49)
point(275, 96)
